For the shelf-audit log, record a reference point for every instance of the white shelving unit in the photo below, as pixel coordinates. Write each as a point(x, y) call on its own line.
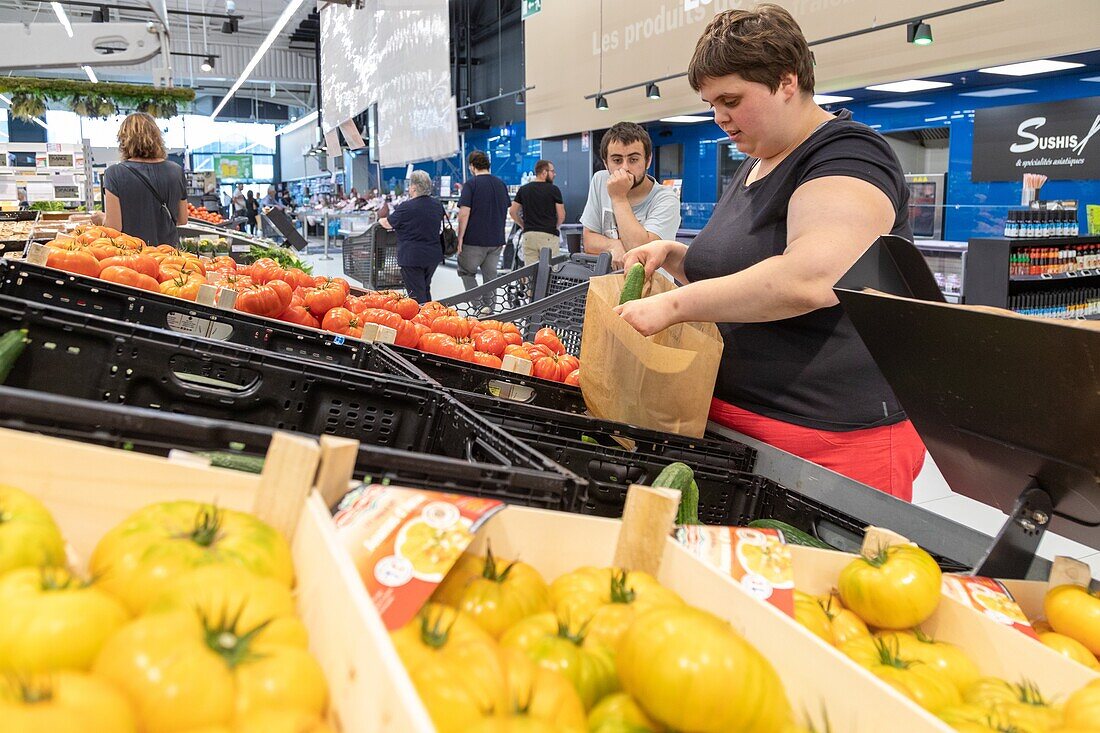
point(47, 172)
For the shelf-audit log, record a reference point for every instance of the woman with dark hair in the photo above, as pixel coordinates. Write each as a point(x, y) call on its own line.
point(145, 195)
point(816, 191)
point(418, 223)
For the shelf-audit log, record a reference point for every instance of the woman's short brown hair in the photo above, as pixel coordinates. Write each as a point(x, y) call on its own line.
point(139, 137)
point(759, 45)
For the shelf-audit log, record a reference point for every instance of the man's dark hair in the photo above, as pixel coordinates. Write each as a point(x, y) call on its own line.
point(478, 160)
point(626, 133)
point(542, 166)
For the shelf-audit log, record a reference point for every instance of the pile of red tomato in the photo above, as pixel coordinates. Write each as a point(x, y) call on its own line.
point(266, 289)
point(200, 212)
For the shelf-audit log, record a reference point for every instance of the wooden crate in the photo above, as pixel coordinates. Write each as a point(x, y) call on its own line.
point(89, 489)
point(998, 650)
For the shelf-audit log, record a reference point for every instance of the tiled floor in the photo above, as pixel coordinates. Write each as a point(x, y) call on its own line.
point(930, 490)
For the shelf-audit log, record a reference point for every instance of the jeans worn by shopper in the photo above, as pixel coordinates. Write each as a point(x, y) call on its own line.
point(472, 259)
point(418, 282)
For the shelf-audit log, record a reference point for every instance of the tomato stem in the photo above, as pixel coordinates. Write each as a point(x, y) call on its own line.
point(890, 657)
point(879, 558)
point(53, 579)
point(620, 593)
point(207, 526)
point(430, 632)
point(226, 641)
point(489, 571)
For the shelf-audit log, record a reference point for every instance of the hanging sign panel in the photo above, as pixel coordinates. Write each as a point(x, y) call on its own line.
point(233, 166)
point(1060, 140)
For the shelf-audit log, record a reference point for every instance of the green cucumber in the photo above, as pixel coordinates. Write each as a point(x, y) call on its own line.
point(12, 344)
point(679, 476)
point(234, 461)
point(793, 535)
point(635, 281)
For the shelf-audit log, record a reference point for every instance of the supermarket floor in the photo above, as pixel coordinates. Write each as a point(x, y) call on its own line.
point(930, 490)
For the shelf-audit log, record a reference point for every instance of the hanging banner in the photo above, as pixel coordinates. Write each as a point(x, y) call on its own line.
point(1060, 140)
point(233, 166)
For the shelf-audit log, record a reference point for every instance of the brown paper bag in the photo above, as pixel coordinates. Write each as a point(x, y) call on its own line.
point(662, 382)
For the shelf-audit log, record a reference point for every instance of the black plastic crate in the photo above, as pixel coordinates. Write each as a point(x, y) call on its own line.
point(155, 432)
point(842, 531)
point(563, 311)
point(85, 356)
point(88, 295)
point(611, 456)
point(508, 387)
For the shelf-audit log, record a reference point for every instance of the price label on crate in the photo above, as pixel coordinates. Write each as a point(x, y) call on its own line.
point(405, 541)
point(758, 559)
point(989, 598)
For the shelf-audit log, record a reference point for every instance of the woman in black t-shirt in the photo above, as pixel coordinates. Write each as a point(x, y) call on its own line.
point(814, 194)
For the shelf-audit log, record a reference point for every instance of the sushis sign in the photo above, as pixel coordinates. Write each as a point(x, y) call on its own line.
point(1060, 140)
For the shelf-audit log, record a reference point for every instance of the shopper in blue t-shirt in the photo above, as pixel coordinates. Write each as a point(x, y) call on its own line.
point(418, 223)
point(482, 212)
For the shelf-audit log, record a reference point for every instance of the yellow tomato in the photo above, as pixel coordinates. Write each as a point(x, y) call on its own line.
point(549, 643)
point(28, 535)
point(432, 630)
point(576, 597)
point(845, 625)
point(542, 694)
point(51, 621)
point(63, 702)
point(462, 683)
point(1073, 611)
point(180, 672)
point(619, 709)
point(690, 671)
point(921, 682)
point(138, 560)
point(1071, 648)
point(498, 596)
point(1020, 705)
point(809, 613)
point(948, 659)
point(1082, 709)
point(897, 588)
point(517, 724)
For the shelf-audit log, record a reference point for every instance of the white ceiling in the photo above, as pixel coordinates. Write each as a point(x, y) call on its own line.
point(292, 71)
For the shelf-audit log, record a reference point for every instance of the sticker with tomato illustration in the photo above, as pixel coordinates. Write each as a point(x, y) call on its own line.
point(758, 559)
point(405, 541)
point(989, 598)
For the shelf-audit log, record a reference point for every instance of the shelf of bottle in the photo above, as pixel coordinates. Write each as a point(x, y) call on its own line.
point(1056, 276)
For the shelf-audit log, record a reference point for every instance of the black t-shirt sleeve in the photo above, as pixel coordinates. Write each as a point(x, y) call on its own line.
point(557, 196)
point(503, 200)
point(110, 179)
point(397, 216)
point(183, 185)
point(466, 197)
point(519, 195)
point(860, 155)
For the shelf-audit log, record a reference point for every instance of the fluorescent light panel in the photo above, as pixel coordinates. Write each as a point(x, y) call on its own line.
point(298, 124)
point(1092, 78)
point(288, 12)
point(91, 74)
point(909, 85)
point(902, 104)
point(687, 118)
point(830, 98)
point(1027, 68)
point(998, 92)
point(62, 18)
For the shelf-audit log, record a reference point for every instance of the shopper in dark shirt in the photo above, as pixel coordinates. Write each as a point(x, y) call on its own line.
point(418, 223)
point(482, 211)
point(145, 195)
point(540, 210)
point(814, 194)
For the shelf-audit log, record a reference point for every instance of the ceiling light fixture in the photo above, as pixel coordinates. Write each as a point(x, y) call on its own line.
point(908, 86)
point(230, 26)
point(601, 102)
point(479, 111)
point(297, 124)
point(830, 98)
point(900, 104)
point(463, 115)
point(919, 33)
point(101, 14)
point(686, 119)
point(62, 18)
point(1027, 68)
point(998, 92)
point(91, 74)
point(288, 12)
point(652, 91)
point(520, 99)
point(207, 63)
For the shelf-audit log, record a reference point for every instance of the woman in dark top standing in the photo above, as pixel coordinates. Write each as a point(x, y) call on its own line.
point(145, 195)
point(251, 211)
point(418, 223)
point(814, 194)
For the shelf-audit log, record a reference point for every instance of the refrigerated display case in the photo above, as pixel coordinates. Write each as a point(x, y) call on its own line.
point(926, 194)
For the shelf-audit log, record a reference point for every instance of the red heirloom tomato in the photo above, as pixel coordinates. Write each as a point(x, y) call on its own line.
point(489, 360)
point(549, 337)
point(404, 307)
point(75, 260)
point(491, 342)
point(126, 276)
point(144, 264)
point(456, 326)
point(269, 300)
point(300, 315)
point(297, 278)
point(574, 378)
point(446, 345)
point(323, 298)
point(555, 368)
point(343, 321)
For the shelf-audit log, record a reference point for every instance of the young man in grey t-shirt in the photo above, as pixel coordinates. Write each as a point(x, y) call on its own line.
point(626, 207)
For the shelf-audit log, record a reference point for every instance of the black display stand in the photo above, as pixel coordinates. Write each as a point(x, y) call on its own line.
point(893, 265)
point(987, 280)
point(283, 223)
point(1008, 406)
